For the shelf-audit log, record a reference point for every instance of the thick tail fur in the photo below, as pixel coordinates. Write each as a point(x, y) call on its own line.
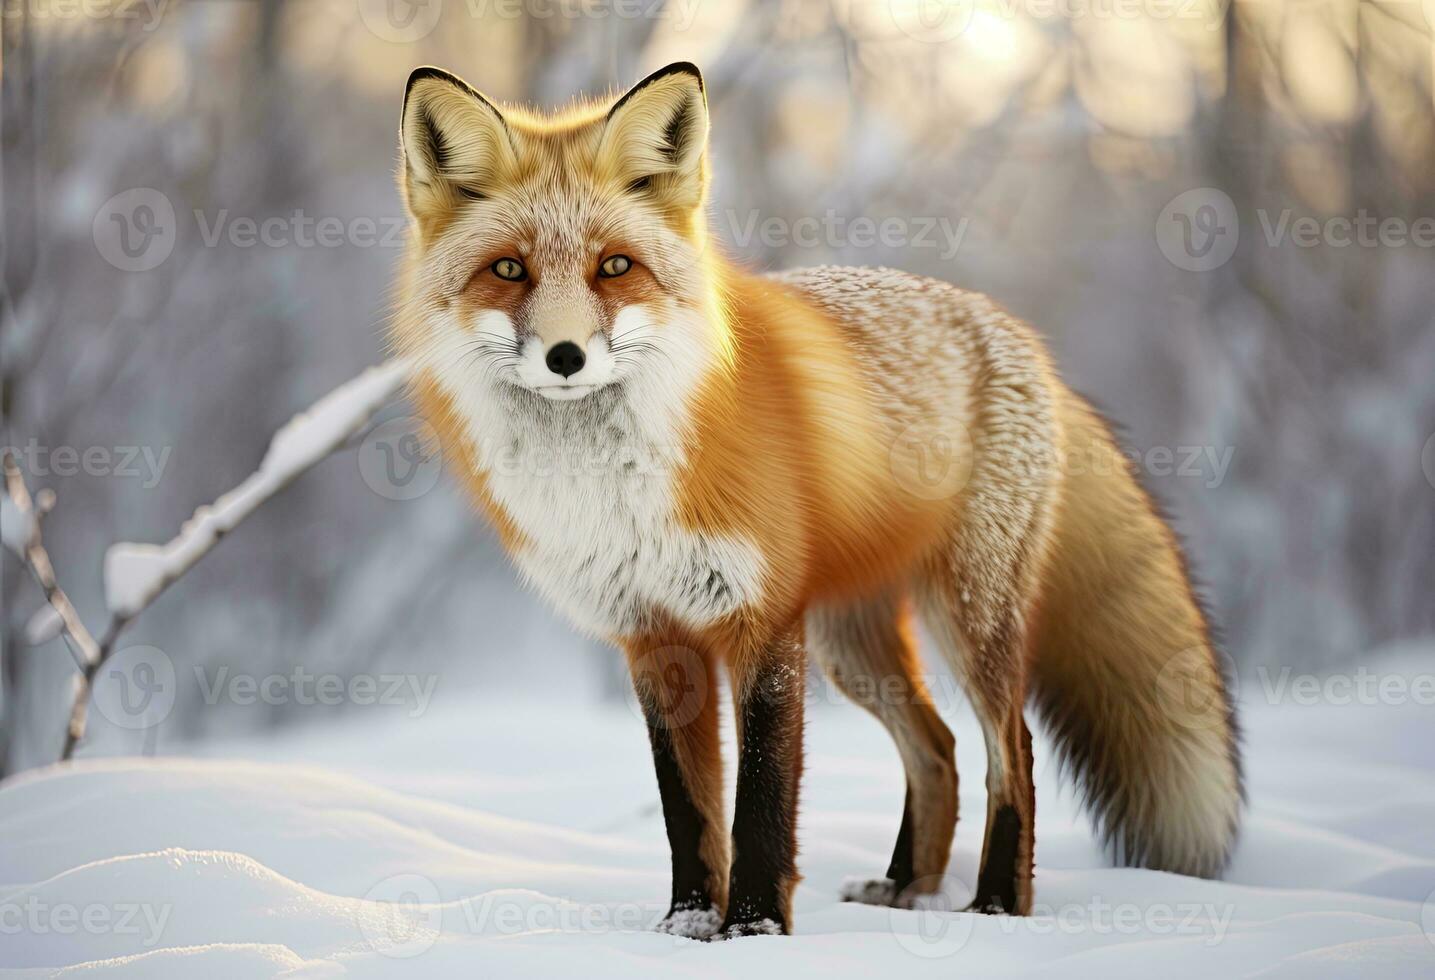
point(1126, 677)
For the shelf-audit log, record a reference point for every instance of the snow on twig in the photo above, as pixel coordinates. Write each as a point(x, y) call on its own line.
point(135, 574)
point(21, 522)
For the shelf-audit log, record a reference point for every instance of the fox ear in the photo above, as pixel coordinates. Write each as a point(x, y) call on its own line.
point(455, 143)
point(655, 137)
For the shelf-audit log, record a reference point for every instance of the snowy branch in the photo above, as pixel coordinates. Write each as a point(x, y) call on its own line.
point(20, 516)
point(136, 574)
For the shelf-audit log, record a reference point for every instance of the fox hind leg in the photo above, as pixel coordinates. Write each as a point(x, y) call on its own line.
point(866, 649)
point(991, 664)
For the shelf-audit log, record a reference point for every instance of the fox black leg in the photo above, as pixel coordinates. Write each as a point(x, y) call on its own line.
point(676, 689)
point(768, 694)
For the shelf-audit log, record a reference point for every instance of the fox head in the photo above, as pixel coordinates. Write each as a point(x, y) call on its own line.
point(553, 257)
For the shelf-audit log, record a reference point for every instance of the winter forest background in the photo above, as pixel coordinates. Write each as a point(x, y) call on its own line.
point(1222, 217)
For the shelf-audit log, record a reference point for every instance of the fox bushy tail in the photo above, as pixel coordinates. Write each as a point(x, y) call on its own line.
point(1126, 676)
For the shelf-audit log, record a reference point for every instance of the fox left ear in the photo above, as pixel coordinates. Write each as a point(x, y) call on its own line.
point(455, 144)
point(655, 137)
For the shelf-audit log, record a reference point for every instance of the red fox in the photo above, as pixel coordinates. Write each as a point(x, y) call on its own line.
point(709, 467)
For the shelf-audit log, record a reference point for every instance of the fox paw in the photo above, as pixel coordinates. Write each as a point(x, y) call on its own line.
point(994, 906)
point(869, 891)
point(760, 927)
point(700, 923)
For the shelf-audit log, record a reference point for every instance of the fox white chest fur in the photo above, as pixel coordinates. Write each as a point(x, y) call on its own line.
point(590, 487)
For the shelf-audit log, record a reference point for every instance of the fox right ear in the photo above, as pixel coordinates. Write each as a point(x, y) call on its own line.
point(455, 144)
point(656, 136)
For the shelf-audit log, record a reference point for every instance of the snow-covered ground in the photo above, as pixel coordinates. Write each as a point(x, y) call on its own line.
point(495, 839)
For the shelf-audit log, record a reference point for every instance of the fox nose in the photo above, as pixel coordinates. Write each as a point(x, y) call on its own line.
point(565, 358)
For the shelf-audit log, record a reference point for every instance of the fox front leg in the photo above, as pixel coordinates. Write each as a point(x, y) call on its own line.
point(767, 696)
point(677, 690)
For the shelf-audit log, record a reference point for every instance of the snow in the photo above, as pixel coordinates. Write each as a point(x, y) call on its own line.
point(136, 573)
point(44, 625)
point(491, 838)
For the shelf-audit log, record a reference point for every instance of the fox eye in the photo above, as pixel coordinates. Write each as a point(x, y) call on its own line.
point(614, 265)
point(510, 269)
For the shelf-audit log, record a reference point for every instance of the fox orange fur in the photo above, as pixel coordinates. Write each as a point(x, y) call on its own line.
point(709, 467)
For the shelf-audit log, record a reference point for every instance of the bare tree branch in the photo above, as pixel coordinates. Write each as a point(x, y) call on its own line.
point(25, 540)
point(136, 574)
